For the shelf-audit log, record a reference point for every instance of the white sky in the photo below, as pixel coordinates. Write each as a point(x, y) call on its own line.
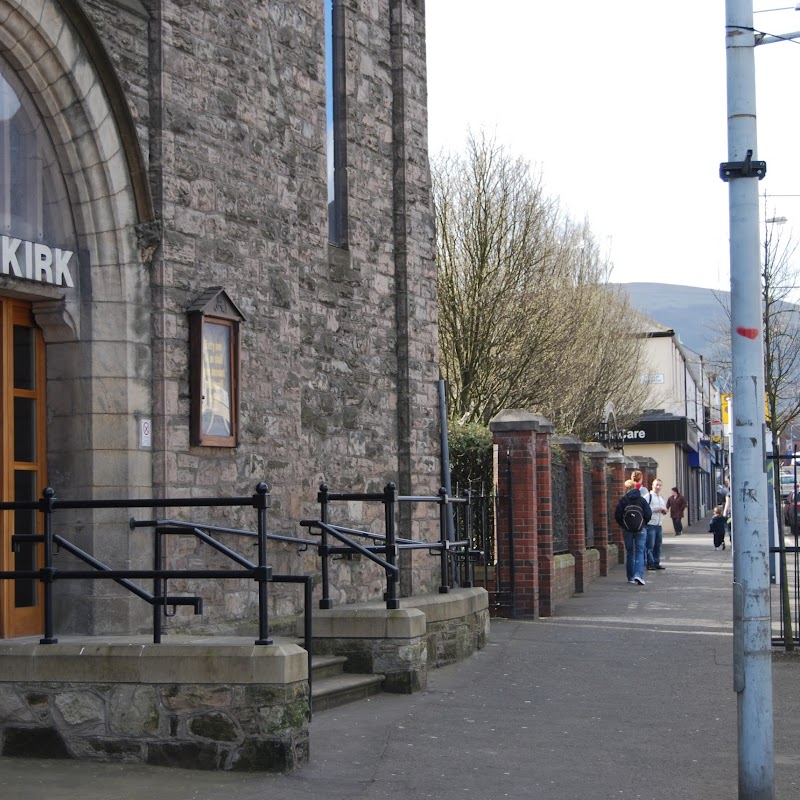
point(622, 103)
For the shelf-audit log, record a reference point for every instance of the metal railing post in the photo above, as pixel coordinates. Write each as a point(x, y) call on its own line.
point(322, 497)
point(261, 501)
point(159, 588)
point(444, 556)
point(46, 507)
point(468, 575)
point(308, 639)
point(389, 500)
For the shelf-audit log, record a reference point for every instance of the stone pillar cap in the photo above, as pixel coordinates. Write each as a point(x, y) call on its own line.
point(568, 441)
point(518, 419)
point(597, 449)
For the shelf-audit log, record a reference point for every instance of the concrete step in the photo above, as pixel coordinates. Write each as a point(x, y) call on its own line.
point(327, 666)
point(345, 688)
point(331, 686)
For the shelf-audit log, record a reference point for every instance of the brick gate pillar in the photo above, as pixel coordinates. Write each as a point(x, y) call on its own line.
point(522, 475)
point(576, 518)
point(600, 511)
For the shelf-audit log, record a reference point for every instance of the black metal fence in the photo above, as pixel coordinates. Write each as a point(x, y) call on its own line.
point(560, 506)
point(611, 504)
point(475, 520)
point(48, 575)
point(588, 507)
point(456, 555)
point(459, 548)
point(785, 552)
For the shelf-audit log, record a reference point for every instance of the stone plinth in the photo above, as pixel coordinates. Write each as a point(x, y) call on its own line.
point(214, 707)
point(430, 630)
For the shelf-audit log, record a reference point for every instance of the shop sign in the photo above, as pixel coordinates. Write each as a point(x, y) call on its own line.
point(35, 262)
point(663, 431)
point(635, 434)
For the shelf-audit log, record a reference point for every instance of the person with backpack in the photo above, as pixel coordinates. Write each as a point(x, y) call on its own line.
point(632, 515)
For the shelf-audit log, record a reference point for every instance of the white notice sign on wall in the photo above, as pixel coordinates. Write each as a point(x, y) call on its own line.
point(145, 433)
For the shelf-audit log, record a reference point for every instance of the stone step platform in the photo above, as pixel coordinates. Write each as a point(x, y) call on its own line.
point(332, 687)
point(345, 688)
point(326, 666)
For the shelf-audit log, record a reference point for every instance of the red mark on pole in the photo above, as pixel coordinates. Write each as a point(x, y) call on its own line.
point(749, 333)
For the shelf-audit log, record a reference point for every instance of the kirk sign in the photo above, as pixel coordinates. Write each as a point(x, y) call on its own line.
point(35, 262)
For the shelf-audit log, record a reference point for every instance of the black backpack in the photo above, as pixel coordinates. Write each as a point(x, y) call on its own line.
point(633, 516)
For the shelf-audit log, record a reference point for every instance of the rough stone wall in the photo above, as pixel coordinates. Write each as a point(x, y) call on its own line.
point(214, 727)
point(454, 640)
point(339, 366)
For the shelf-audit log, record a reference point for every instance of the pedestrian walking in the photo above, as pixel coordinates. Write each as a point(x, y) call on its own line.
point(726, 512)
point(655, 535)
point(632, 515)
point(718, 527)
point(676, 505)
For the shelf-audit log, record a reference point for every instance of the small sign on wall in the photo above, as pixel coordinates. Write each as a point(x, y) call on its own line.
point(145, 433)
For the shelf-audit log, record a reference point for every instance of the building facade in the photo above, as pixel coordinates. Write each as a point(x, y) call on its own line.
point(678, 431)
point(251, 174)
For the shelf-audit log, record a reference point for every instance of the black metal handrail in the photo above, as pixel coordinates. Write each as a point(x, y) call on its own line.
point(446, 549)
point(48, 574)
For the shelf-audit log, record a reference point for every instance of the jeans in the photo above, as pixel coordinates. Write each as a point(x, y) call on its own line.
point(655, 537)
point(634, 553)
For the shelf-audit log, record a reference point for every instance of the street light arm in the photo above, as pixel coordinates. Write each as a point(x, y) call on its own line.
point(768, 38)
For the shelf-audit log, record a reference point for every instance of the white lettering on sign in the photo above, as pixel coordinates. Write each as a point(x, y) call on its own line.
point(39, 262)
point(634, 434)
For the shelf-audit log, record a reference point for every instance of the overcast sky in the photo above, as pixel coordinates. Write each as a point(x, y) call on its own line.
point(622, 104)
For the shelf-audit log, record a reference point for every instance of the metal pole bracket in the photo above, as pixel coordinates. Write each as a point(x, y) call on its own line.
point(743, 169)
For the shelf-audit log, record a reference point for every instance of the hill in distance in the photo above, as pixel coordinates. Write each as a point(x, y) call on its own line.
point(694, 314)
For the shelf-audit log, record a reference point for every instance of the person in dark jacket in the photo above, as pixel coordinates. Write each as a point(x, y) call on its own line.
point(676, 505)
point(718, 526)
point(634, 540)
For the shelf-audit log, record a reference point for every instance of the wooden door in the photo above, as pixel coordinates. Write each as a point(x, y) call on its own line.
point(22, 462)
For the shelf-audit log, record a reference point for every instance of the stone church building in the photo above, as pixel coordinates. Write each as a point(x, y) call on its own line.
point(216, 270)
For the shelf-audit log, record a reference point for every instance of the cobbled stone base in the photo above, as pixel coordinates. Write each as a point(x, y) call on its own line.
point(126, 704)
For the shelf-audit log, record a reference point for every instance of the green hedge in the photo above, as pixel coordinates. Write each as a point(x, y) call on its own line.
point(470, 456)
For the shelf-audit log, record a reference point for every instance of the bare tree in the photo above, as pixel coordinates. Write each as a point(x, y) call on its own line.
point(527, 319)
point(781, 322)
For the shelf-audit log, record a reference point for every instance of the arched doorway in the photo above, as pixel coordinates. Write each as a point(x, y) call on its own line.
point(74, 291)
point(35, 224)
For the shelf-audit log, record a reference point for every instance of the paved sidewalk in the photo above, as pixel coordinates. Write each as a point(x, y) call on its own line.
point(626, 693)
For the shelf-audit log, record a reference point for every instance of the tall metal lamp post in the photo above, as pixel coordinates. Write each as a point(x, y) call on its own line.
point(752, 655)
